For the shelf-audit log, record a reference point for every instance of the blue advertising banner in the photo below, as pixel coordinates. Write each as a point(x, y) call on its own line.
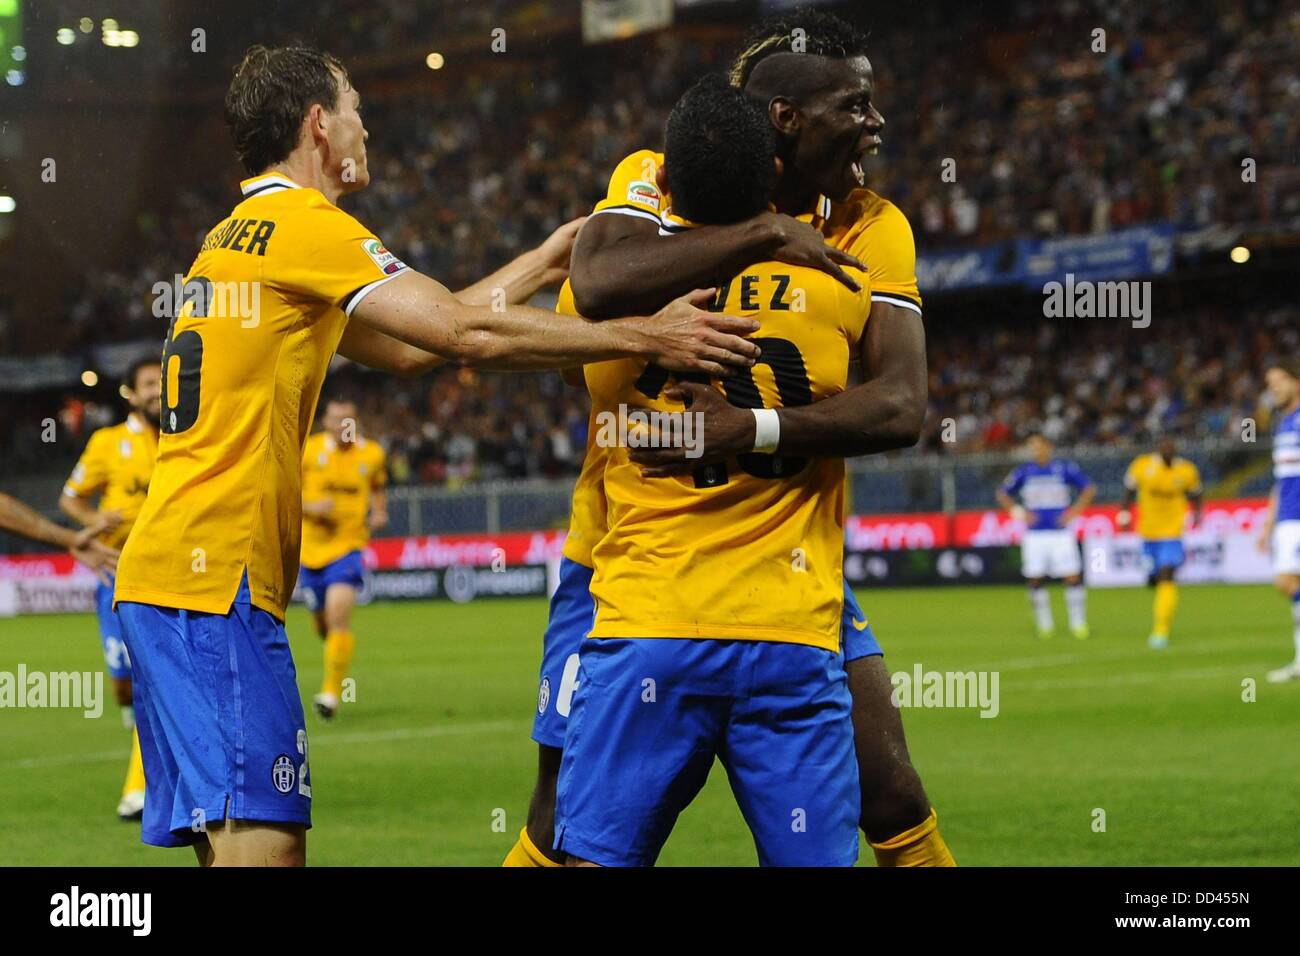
point(1127, 253)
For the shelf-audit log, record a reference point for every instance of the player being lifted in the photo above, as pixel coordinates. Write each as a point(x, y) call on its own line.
point(1281, 527)
point(1163, 485)
point(343, 500)
point(116, 466)
point(627, 257)
point(1039, 493)
point(277, 287)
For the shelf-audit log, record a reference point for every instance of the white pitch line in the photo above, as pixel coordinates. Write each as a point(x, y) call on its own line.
point(321, 738)
point(1117, 680)
point(1136, 653)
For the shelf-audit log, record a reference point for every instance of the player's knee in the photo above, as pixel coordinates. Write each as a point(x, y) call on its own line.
point(1287, 585)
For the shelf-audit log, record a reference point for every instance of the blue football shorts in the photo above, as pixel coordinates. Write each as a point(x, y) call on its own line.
point(220, 719)
point(116, 659)
point(571, 617)
point(349, 569)
point(649, 717)
point(1165, 553)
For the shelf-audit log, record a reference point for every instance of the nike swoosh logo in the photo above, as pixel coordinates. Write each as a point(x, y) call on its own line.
point(860, 625)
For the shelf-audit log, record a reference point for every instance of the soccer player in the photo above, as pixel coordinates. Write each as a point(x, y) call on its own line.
point(627, 257)
point(719, 595)
point(1282, 524)
point(277, 287)
point(116, 466)
point(83, 545)
point(1163, 485)
point(1039, 493)
point(343, 499)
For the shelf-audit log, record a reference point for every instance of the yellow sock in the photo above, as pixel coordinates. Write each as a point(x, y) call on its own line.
point(339, 646)
point(134, 767)
point(920, 846)
point(1165, 605)
point(525, 853)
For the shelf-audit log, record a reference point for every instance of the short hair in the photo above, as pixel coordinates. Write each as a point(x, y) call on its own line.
point(1289, 365)
point(718, 154)
point(271, 92)
point(802, 30)
point(133, 370)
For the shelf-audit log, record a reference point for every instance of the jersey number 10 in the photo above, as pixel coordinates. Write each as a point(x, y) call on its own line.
point(791, 376)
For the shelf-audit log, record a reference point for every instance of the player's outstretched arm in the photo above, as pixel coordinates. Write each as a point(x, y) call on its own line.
point(515, 282)
point(536, 269)
point(884, 413)
point(22, 520)
point(621, 265)
point(422, 312)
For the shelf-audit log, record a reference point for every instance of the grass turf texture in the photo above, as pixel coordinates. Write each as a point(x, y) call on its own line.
point(432, 764)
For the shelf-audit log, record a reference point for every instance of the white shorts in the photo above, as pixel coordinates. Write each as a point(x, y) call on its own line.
point(1051, 553)
point(1286, 547)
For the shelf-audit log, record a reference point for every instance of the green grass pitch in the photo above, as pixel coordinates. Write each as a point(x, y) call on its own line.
point(432, 764)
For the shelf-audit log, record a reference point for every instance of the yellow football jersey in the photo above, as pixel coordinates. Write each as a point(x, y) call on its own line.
point(117, 465)
point(865, 225)
point(345, 475)
point(751, 548)
point(265, 305)
point(1162, 492)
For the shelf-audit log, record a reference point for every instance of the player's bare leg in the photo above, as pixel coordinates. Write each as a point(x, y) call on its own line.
point(1076, 605)
point(340, 643)
point(254, 843)
point(541, 809)
point(1041, 602)
point(1166, 603)
point(1288, 585)
point(896, 813)
point(130, 804)
point(202, 851)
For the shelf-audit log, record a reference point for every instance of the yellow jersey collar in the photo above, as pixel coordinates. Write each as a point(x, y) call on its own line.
point(671, 222)
point(266, 184)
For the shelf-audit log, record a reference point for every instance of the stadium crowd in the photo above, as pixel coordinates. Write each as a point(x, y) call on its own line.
point(1049, 138)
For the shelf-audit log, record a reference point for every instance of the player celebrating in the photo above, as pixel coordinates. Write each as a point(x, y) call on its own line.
point(210, 565)
point(1038, 493)
point(1282, 524)
point(819, 102)
point(719, 595)
point(1163, 485)
point(117, 465)
point(343, 499)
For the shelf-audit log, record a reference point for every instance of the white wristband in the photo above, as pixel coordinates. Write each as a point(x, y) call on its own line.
point(767, 429)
